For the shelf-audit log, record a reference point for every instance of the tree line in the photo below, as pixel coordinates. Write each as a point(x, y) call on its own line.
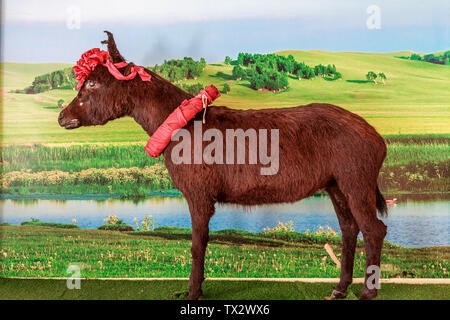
point(432, 58)
point(59, 79)
point(175, 70)
point(270, 71)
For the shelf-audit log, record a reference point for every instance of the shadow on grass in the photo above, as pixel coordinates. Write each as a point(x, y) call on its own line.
point(359, 81)
point(330, 79)
point(243, 84)
point(222, 75)
point(290, 76)
point(272, 239)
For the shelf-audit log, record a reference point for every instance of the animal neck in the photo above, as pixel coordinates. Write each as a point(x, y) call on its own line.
point(155, 101)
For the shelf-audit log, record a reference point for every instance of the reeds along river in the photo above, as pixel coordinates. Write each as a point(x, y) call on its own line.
point(416, 221)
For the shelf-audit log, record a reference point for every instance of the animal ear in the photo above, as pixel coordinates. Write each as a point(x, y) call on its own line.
point(114, 54)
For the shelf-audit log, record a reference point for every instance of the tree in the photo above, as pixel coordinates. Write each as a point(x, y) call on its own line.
point(56, 78)
point(193, 89)
point(60, 103)
point(382, 76)
point(331, 69)
point(238, 72)
point(337, 76)
point(320, 70)
point(240, 58)
point(40, 87)
point(371, 76)
point(227, 60)
point(308, 73)
point(429, 57)
point(447, 61)
point(175, 70)
point(226, 88)
point(257, 81)
point(415, 56)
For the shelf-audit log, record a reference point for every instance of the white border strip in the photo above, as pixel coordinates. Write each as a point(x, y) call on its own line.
point(306, 280)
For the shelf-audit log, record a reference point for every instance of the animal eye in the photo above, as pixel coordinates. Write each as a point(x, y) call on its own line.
point(91, 83)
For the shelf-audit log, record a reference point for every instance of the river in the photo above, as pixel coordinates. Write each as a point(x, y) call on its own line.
point(414, 222)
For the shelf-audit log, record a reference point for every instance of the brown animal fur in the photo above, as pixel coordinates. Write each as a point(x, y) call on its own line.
point(321, 146)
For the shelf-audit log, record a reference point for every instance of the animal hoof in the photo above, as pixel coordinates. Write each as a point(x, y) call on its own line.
point(368, 294)
point(195, 296)
point(336, 295)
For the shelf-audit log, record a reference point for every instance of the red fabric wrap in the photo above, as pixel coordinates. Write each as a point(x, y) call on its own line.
point(90, 59)
point(178, 119)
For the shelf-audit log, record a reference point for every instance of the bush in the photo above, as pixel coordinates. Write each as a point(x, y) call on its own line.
point(286, 227)
point(122, 227)
point(115, 224)
point(148, 224)
point(226, 88)
point(37, 223)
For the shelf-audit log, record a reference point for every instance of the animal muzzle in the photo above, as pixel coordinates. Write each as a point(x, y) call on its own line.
point(68, 123)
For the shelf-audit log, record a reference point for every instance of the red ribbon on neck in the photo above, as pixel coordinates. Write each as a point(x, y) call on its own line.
point(178, 119)
point(91, 58)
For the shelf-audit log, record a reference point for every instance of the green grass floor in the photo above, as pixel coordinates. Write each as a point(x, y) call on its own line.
point(212, 290)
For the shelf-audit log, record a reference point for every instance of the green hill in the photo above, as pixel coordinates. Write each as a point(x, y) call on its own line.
point(20, 75)
point(415, 99)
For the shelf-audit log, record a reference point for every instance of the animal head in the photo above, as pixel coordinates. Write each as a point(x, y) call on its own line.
point(106, 83)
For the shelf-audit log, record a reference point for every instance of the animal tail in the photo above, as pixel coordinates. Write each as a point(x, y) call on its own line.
point(381, 204)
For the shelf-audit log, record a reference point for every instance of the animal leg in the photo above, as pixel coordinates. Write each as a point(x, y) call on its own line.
point(363, 207)
point(350, 231)
point(201, 213)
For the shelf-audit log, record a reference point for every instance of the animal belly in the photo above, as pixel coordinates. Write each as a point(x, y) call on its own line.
point(276, 192)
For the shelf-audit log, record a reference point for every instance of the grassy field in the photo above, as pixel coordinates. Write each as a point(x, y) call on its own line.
point(72, 158)
point(415, 99)
point(29, 251)
point(20, 75)
point(126, 170)
point(212, 290)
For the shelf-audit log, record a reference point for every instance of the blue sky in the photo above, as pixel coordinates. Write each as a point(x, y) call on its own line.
point(147, 32)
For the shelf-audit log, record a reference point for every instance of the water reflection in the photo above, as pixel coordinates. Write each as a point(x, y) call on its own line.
point(415, 221)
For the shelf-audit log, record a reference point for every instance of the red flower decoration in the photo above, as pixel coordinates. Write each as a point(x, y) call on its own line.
point(87, 63)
